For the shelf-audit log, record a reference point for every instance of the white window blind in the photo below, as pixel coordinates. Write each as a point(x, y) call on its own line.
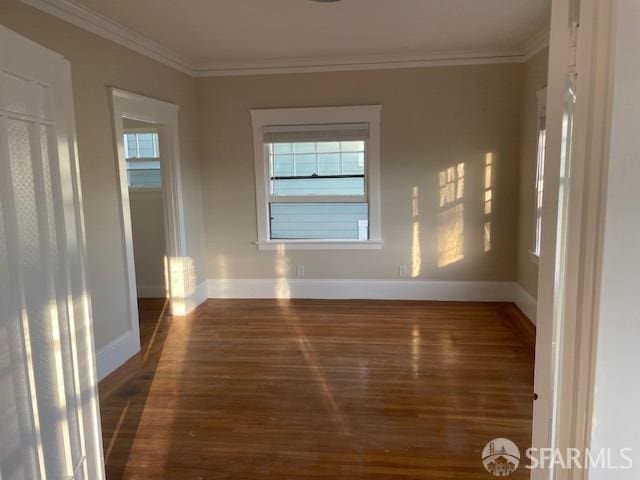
point(316, 133)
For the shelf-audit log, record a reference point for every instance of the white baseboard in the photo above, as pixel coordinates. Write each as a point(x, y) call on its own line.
point(525, 302)
point(199, 295)
point(362, 289)
point(114, 354)
point(151, 291)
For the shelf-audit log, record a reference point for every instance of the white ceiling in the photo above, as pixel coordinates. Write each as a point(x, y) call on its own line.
point(258, 33)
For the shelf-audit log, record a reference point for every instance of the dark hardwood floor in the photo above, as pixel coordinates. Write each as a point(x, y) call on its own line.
point(319, 389)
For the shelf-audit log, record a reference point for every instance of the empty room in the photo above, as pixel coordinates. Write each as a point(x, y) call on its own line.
point(304, 239)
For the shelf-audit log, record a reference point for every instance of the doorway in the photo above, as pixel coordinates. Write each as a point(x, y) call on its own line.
point(143, 159)
point(151, 210)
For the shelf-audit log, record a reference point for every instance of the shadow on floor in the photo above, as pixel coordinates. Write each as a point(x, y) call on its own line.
point(124, 393)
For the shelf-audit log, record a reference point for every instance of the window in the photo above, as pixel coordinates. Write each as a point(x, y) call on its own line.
point(142, 152)
point(539, 185)
point(317, 177)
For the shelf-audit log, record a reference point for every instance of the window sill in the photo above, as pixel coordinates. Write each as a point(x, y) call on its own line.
point(535, 257)
point(320, 245)
point(149, 190)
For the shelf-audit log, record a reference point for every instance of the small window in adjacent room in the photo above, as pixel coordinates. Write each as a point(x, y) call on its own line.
point(142, 152)
point(539, 185)
point(317, 177)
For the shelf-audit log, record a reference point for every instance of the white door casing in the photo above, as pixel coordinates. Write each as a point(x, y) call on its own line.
point(50, 424)
point(179, 269)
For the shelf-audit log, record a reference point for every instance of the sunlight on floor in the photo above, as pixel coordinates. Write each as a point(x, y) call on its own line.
point(336, 416)
point(415, 350)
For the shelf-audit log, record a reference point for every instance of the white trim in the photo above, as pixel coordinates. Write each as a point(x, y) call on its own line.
point(363, 289)
point(584, 248)
point(198, 296)
point(535, 257)
point(104, 27)
point(541, 96)
point(525, 302)
point(165, 116)
point(149, 191)
point(320, 245)
point(536, 44)
point(370, 114)
point(369, 62)
point(565, 363)
point(151, 291)
point(114, 354)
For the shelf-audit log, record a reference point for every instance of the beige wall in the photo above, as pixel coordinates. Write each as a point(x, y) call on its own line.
point(432, 119)
point(95, 65)
point(149, 247)
point(535, 78)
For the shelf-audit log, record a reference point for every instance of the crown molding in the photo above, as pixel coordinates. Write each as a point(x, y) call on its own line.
point(102, 26)
point(105, 27)
point(535, 44)
point(369, 62)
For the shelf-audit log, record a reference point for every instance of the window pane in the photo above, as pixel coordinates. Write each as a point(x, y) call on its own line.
point(144, 178)
point(318, 186)
point(319, 168)
point(329, 164)
point(146, 145)
point(306, 147)
point(353, 146)
point(306, 165)
point(328, 147)
point(283, 148)
point(141, 145)
point(283, 165)
point(336, 221)
point(353, 163)
point(131, 149)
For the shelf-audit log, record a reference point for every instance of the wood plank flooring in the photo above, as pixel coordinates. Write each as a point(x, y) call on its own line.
point(319, 389)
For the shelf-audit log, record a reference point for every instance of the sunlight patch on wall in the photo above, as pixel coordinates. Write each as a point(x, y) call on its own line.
point(451, 216)
point(283, 290)
point(488, 199)
point(487, 236)
point(182, 283)
point(416, 250)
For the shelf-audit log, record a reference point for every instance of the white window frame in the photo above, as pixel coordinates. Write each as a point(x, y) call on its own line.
point(536, 245)
point(262, 118)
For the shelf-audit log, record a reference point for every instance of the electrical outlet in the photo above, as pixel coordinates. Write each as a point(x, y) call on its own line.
point(300, 270)
point(403, 271)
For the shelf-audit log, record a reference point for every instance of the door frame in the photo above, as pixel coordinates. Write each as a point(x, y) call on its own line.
point(51, 395)
point(571, 360)
point(179, 278)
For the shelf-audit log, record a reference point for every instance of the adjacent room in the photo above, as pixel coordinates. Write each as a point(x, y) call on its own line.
point(289, 239)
